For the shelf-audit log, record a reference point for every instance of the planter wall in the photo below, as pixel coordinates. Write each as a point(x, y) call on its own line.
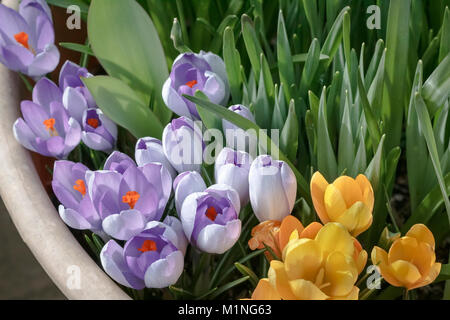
point(34, 215)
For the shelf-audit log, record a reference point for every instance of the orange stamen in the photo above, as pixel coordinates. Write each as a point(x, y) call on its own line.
point(148, 245)
point(80, 187)
point(211, 213)
point(131, 198)
point(50, 125)
point(191, 83)
point(93, 123)
point(22, 38)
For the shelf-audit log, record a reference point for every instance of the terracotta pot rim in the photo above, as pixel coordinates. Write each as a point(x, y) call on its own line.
point(34, 215)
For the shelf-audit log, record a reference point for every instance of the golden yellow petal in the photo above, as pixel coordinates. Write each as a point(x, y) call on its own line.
point(265, 291)
point(279, 280)
point(318, 187)
point(306, 290)
point(361, 261)
point(353, 295)
point(366, 190)
point(350, 190)
point(406, 273)
point(340, 274)
point(303, 260)
point(380, 259)
point(288, 225)
point(334, 237)
point(356, 219)
point(422, 234)
point(429, 278)
point(311, 230)
point(334, 203)
point(404, 248)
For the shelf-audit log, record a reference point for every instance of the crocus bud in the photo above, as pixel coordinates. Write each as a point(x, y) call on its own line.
point(150, 150)
point(237, 138)
point(27, 39)
point(232, 168)
point(347, 201)
point(99, 132)
point(272, 188)
point(183, 144)
point(191, 72)
point(185, 184)
point(150, 259)
point(210, 219)
point(411, 261)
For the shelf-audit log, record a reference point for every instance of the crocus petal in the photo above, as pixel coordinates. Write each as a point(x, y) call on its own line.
point(188, 183)
point(124, 225)
point(356, 219)
point(406, 273)
point(334, 237)
point(422, 234)
point(302, 258)
point(176, 225)
point(44, 62)
point(318, 187)
point(16, 57)
point(174, 101)
point(114, 264)
point(380, 259)
point(73, 219)
point(23, 134)
point(188, 213)
point(288, 225)
point(366, 190)
point(165, 272)
point(228, 192)
point(279, 280)
point(216, 238)
point(96, 141)
point(45, 92)
point(75, 103)
point(340, 273)
point(265, 291)
point(350, 190)
point(306, 290)
point(334, 202)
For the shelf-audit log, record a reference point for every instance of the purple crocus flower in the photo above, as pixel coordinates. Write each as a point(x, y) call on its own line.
point(99, 132)
point(210, 218)
point(127, 201)
point(183, 144)
point(46, 128)
point(70, 187)
point(232, 168)
point(27, 39)
point(204, 71)
point(118, 161)
point(153, 258)
point(150, 150)
point(185, 184)
point(76, 98)
point(272, 188)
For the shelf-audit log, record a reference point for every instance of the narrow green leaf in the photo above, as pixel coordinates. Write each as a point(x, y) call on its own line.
point(285, 64)
point(289, 134)
point(247, 272)
point(445, 36)
point(252, 44)
point(229, 286)
point(437, 88)
point(233, 65)
point(77, 47)
point(177, 37)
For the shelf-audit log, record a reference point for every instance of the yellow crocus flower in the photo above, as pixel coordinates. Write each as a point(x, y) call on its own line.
point(411, 261)
point(347, 201)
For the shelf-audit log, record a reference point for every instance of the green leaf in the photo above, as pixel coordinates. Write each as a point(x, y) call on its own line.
point(334, 38)
point(209, 119)
point(289, 134)
point(326, 159)
point(373, 171)
point(310, 69)
point(82, 48)
point(445, 36)
point(436, 89)
point(252, 44)
point(126, 43)
point(444, 274)
point(247, 272)
point(397, 44)
point(246, 124)
point(310, 7)
point(84, 7)
point(346, 147)
point(285, 64)
point(121, 104)
point(229, 286)
point(177, 37)
point(301, 57)
point(427, 129)
point(233, 65)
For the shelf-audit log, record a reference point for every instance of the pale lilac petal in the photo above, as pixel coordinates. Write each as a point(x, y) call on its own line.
point(45, 61)
point(124, 225)
point(216, 238)
point(165, 272)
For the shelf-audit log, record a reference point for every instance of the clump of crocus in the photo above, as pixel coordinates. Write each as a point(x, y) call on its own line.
point(27, 39)
point(154, 258)
point(204, 71)
point(320, 262)
point(183, 144)
point(232, 168)
point(210, 218)
point(411, 260)
point(347, 201)
point(46, 127)
point(272, 188)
